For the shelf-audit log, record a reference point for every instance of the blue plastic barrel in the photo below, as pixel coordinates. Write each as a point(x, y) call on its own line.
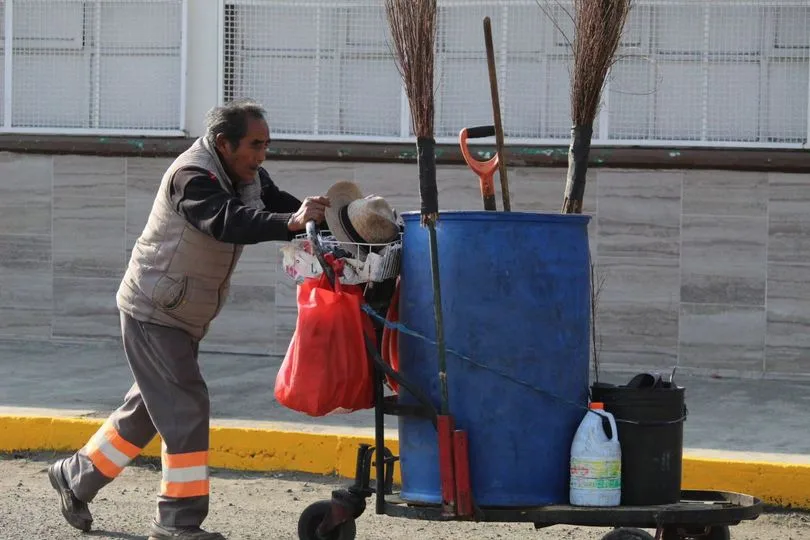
point(516, 299)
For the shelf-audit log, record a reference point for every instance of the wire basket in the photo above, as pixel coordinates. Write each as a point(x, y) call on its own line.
point(361, 263)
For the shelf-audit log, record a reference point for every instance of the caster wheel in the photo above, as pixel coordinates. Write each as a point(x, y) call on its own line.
point(685, 532)
point(311, 518)
point(628, 534)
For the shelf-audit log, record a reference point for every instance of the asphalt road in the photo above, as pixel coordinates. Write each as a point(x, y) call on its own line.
point(255, 506)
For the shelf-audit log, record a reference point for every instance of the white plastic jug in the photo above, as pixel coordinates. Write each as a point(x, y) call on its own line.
point(596, 461)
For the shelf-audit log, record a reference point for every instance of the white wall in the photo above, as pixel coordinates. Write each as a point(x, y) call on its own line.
point(732, 73)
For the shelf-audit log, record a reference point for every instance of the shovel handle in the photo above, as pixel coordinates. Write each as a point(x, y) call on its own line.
point(479, 132)
point(496, 113)
point(484, 169)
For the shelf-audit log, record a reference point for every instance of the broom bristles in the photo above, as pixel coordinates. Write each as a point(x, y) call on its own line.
point(599, 28)
point(413, 31)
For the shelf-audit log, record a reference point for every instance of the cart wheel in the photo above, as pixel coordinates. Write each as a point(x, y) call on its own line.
point(628, 534)
point(720, 532)
point(311, 518)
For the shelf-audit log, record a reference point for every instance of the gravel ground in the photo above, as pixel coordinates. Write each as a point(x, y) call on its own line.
point(265, 506)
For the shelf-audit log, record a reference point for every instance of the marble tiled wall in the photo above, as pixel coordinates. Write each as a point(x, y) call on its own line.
point(706, 269)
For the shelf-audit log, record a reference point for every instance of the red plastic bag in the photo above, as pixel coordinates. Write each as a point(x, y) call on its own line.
point(326, 368)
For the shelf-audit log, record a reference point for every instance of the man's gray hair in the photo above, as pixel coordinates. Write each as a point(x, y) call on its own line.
point(231, 120)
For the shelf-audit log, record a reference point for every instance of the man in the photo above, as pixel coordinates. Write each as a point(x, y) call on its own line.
point(212, 200)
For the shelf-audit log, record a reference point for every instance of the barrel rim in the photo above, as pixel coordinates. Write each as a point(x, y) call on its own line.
point(488, 215)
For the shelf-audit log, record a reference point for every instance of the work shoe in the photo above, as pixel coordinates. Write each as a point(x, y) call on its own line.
point(162, 532)
point(75, 511)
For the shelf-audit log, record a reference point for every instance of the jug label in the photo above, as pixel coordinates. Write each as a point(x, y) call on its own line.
point(595, 474)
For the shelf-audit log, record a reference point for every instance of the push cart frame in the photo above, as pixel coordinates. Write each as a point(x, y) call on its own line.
point(700, 514)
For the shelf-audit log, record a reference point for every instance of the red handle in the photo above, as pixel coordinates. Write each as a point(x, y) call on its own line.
point(484, 169)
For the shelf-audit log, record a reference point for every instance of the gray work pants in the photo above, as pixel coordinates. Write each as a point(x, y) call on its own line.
point(169, 397)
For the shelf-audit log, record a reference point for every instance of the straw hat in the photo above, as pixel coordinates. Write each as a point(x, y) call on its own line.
point(354, 218)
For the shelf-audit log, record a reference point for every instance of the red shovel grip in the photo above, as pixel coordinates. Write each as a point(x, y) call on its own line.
point(484, 169)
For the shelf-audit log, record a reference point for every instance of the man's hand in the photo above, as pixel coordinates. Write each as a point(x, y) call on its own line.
point(312, 209)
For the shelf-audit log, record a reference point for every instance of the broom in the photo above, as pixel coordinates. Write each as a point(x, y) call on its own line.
point(413, 31)
point(599, 25)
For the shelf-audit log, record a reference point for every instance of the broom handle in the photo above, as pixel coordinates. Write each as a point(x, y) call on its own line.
point(437, 312)
point(496, 112)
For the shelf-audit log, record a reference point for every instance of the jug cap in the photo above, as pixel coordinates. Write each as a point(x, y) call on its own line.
point(596, 405)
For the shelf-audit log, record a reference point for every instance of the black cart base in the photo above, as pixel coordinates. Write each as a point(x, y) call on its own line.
point(705, 515)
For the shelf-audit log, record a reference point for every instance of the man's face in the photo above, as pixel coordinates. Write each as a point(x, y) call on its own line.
point(244, 160)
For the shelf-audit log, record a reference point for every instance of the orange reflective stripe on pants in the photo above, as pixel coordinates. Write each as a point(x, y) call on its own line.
point(184, 475)
point(163, 361)
point(109, 451)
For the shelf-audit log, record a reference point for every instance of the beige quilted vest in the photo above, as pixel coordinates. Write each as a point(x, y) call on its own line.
point(178, 276)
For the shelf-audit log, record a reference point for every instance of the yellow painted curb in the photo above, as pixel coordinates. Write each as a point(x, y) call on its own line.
point(780, 484)
point(230, 447)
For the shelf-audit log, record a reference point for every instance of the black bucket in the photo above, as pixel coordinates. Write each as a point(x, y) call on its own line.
point(649, 415)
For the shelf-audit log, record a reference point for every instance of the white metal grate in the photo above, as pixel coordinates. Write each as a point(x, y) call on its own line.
point(321, 68)
point(717, 72)
point(105, 66)
point(3, 7)
point(725, 72)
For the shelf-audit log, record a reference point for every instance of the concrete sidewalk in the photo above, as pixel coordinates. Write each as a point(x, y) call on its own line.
point(756, 423)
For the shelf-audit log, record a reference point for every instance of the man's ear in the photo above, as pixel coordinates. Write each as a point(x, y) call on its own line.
point(222, 143)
